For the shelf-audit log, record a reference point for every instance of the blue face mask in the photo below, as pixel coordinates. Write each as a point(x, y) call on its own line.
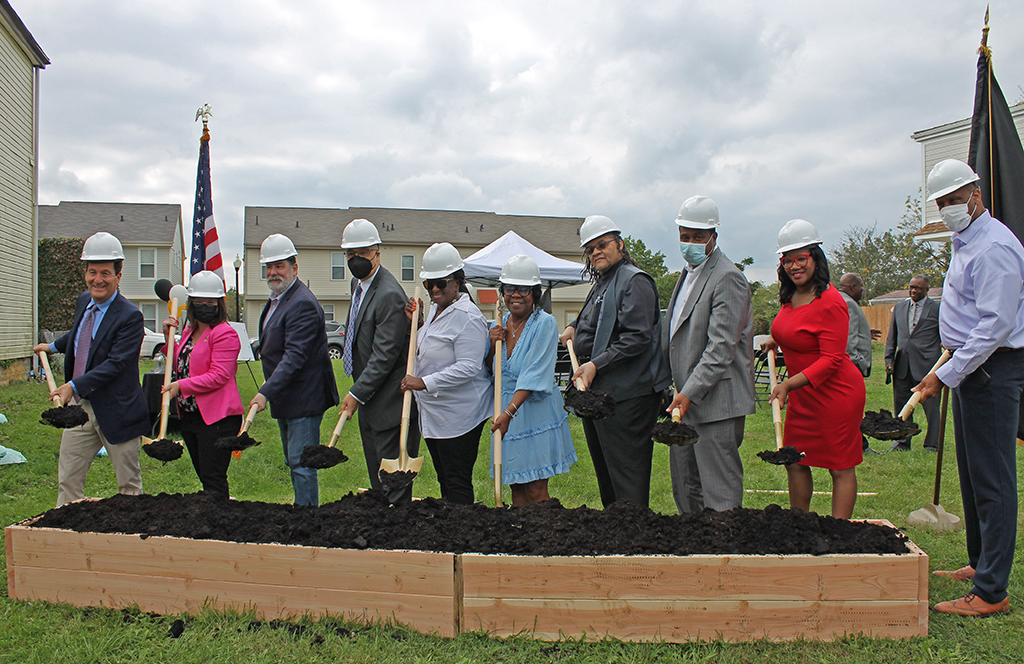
point(694, 253)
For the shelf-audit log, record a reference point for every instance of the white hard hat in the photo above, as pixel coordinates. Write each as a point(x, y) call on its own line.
point(797, 233)
point(949, 175)
point(520, 270)
point(206, 284)
point(359, 233)
point(595, 226)
point(276, 247)
point(440, 260)
point(699, 213)
point(102, 247)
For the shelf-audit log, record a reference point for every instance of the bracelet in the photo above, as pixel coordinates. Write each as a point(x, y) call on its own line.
point(512, 405)
point(510, 415)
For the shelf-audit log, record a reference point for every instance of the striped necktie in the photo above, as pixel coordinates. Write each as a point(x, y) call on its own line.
point(84, 341)
point(346, 356)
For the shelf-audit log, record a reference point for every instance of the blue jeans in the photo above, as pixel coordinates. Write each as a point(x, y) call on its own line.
point(295, 435)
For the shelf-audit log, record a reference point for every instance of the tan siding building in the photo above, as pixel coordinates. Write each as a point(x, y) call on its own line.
point(21, 61)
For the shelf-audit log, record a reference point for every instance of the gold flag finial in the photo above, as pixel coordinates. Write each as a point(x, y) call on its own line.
point(984, 36)
point(205, 112)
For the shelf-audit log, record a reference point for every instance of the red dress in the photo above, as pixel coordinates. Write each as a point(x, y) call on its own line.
point(823, 418)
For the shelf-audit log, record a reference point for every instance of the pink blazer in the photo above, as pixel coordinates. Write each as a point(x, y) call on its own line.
point(212, 366)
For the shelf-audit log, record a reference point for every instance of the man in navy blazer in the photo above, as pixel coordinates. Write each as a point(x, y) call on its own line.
point(109, 329)
point(299, 375)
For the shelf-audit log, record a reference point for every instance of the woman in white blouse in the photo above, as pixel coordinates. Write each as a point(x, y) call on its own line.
point(452, 387)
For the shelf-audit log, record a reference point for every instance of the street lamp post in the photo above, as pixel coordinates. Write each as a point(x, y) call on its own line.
point(238, 266)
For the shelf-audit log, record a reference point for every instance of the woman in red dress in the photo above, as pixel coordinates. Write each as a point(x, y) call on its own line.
point(824, 391)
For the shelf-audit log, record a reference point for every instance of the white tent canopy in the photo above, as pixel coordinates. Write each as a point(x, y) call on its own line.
point(484, 267)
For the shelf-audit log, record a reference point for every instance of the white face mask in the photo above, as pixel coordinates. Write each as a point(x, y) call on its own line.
point(956, 217)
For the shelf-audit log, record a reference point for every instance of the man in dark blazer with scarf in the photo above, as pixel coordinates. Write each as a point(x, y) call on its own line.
point(300, 382)
point(101, 372)
point(375, 355)
point(912, 348)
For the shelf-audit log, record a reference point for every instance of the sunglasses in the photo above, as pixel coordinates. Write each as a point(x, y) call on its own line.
point(510, 289)
point(598, 247)
point(439, 284)
point(799, 261)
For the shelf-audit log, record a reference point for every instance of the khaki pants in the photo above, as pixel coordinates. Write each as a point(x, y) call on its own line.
point(78, 448)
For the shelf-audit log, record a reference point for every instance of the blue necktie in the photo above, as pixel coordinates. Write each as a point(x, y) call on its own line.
point(346, 356)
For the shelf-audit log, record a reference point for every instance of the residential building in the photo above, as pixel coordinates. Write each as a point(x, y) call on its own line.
point(150, 234)
point(405, 235)
point(21, 61)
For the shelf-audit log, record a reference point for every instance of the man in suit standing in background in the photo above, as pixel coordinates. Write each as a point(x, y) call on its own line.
point(912, 348)
point(101, 370)
point(293, 349)
point(376, 350)
point(708, 342)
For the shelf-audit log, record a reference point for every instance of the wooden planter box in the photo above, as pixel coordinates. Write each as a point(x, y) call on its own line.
point(633, 598)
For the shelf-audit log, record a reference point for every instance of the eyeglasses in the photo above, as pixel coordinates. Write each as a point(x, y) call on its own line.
point(921, 288)
point(799, 261)
point(510, 289)
point(365, 252)
point(598, 247)
point(439, 284)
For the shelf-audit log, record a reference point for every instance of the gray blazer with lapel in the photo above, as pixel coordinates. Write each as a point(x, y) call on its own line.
point(913, 354)
point(379, 350)
point(710, 350)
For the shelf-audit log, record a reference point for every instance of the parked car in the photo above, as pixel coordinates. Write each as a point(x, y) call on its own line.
point(335, 341)
point(152, 343)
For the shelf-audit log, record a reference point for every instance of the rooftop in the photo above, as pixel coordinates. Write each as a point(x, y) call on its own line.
point(131, 223)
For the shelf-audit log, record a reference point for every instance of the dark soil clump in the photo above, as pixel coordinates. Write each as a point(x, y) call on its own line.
point(396, 480)
point(674, 433)
point(592, 404)
point(782, 457)
point(164, 450)
point(65, 417)
point(883, 426)
point(237, 443)
point(321, 456)
point(547, 529)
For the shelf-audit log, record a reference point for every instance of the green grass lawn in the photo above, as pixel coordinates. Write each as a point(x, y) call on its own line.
point(40, 632)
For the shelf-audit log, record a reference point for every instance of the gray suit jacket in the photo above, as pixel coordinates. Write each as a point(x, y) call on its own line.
point(711, 349)
point(859, 345)
point(913, 354)
point(380, 347)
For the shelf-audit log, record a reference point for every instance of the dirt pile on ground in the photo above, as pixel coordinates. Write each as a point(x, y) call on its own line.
point(368, 521)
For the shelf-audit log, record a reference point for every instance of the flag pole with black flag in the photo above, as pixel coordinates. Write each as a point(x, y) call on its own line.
point(205, 244)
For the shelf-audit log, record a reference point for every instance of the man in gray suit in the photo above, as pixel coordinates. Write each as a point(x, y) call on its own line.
point(851, 286)
point(709, 346)
point(912, 348)
point(376, 350)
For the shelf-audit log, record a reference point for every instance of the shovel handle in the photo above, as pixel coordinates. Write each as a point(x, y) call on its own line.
point(676, 417)
point(575, 365)
point(410, 366)
point(916, 397)
point(165, 402)
point(337, 429)
point(497, 408)
point(248, 419)
point(773, 382)
point(50, 382)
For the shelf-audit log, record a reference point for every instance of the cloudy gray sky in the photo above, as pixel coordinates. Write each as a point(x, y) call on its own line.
point(774, 109)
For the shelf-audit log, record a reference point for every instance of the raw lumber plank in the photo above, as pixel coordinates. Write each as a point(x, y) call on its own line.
point(9, 550)
point(678, 621)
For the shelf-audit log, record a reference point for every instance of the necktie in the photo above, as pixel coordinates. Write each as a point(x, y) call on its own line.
point(913, 316)
point(84, 341)
point(346, 356)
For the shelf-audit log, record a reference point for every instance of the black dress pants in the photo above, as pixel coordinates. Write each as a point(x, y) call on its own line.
point(453, 460)
point(211, 463)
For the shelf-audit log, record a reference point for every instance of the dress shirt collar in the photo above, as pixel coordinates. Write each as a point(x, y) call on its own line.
point(275, 296)
point(365, 283)
point(972, 231)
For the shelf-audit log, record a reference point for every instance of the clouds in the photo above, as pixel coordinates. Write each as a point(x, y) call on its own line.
point(776, 110)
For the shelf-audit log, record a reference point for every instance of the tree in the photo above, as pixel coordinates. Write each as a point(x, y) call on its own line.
point(653, 263)
point(230, 301)
point(888, 260)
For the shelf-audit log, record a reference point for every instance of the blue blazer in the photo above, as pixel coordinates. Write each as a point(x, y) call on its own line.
point(111, 378)
point(293, 349)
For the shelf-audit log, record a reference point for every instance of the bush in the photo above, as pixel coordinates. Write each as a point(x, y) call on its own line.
point(60, 281)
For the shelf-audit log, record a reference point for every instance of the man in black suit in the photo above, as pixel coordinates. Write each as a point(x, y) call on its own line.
point(376, 350)
point(293, 348)
point(101, 371)
point(912, 348)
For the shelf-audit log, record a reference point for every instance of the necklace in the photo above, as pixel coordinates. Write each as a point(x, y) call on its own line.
point(512, 326)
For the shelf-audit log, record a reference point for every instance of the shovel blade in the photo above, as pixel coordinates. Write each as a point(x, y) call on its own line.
point(934, 517)
point(413, 465)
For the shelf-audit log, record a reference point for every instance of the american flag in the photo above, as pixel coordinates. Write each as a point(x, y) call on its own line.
point(205, 246)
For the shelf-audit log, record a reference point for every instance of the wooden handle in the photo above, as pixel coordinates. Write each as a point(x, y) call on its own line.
point(410, 365)
point(575, 365)
point(338, 428)
point(248, 419)
point(50, 382)
point(916, 397)
point(776, 407)
point(497, 409)
point(676, 417)
point(165, 402)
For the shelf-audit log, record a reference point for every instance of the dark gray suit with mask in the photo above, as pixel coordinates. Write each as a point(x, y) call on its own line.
point(911, 355)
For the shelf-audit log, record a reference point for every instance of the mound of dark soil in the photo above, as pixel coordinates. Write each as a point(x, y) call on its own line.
point(883, 426)
point(674, 433)
point(321, 456)
point(243, 441)
point(592, 404)
point(397, 480)
point(368, 521)
point(781, 457)
point(164, 450)
point(65, 417)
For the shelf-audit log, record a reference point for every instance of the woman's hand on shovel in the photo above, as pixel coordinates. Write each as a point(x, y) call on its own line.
point(413, 306)
point(173, 389)
point(413, 383)
point(781, 392)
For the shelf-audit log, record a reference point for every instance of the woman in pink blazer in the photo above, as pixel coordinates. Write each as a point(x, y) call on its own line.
point(204, 389)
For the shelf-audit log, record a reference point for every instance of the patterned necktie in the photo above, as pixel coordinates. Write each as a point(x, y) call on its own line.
point(346, 356)
point(913, 316)
point(84, 341)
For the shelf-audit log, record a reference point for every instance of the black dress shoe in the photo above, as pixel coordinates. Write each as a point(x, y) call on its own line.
point(930, 448)
point(900, 446)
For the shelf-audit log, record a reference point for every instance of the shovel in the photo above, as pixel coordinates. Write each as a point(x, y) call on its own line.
point(325, 456)
point(60, 416)
point(403, 464)
point(594, 404)
point(933, 515)
point(497, 406)
point(164, 449)
point(782, 456)
point(243, 440)
point(916, 398)
point(674, 432)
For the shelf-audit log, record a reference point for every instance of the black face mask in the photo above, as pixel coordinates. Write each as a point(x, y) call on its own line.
point(205, 313)
point(360, 267)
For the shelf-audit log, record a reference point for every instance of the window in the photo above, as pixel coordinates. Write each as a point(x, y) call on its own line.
point(328, 312)
point(337, 265)
point(408, 268)
point(147, 263)
point(570, 316)
point(149, 316)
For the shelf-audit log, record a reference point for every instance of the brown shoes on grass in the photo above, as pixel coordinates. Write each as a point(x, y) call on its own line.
point(973, 606)
point(965, 573)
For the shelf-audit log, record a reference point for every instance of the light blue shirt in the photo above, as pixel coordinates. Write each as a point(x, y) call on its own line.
point(97, 318)
point(982, 298)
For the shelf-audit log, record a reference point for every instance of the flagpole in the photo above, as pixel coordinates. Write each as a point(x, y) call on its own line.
point(987, 52)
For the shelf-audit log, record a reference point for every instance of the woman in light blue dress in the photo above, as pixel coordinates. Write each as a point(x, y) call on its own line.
point(536, 442)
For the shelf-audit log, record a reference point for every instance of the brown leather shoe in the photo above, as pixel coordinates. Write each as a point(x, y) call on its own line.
point(973, 606)
point(965, 573)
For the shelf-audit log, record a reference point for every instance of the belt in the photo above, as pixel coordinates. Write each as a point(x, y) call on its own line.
point(1004, 349)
